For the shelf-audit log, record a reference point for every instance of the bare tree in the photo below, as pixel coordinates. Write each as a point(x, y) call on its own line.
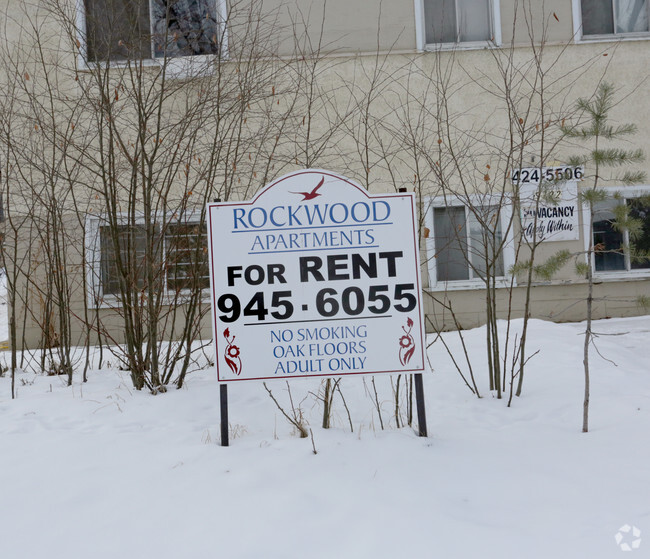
point(115, 159)
point(463, 154)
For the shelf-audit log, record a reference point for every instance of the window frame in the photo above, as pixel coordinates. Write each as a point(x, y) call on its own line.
point(505, 216)
point(93, 263)
point(626, 193)
point(191, 222)
point(181, 66)
point(105, 276)
point(580, 38)
point(420, 32)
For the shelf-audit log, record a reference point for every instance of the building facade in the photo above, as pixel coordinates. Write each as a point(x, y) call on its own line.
point(121, 120)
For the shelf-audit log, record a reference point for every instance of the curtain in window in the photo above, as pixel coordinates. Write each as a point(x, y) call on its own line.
point(464, 243)
point(482, 243)
point(631, 16)
point(452, 21)
point(598, 16)
point(474, 20)
point(185, 27)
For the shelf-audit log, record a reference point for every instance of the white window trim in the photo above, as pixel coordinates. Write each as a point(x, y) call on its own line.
point(609, 37)
point(93, 262)
point(420, 36)
point(626, 192)
point(505, 215)
point(95, 296)
point(176, 67)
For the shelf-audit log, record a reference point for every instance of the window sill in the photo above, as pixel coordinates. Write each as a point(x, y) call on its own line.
point(474, 45)
point(469, 285)
point(184, 67)
point(622, 275)
point(108, 302)
point(613, 38)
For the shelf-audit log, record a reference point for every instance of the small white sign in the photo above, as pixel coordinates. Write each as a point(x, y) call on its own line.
point(315, 277)
point(550, 214)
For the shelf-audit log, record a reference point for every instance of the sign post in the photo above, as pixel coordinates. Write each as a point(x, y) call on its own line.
point(315, 277)
point(223, 407)
point(223, 401)
point(419, 396)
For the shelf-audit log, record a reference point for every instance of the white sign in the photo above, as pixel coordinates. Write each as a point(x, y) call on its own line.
point(550, 214)
point(535, 175)
point(315, 277)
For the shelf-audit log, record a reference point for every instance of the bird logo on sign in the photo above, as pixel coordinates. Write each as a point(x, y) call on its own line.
point(311, 195)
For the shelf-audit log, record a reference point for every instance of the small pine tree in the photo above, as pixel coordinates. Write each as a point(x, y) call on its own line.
point(595, 132)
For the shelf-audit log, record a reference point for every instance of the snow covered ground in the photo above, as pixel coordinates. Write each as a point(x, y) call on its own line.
point(101, 471)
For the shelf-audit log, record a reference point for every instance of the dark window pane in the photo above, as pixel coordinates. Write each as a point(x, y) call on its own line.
point(608, 242)
point(452, 21)
point(451, 244)
point(187, 256)
point(130, 263)
point(466, 244)
point(440, 21)
point(185, 27)
point(597, 17)
point(608, 247)
point(117, 30)
point(639, 211)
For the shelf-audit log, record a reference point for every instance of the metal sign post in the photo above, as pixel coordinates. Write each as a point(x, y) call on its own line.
point(223, 404)
point(223, 400)
point(419, 396)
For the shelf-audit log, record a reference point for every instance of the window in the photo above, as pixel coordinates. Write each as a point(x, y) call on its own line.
point(465, 244)
point(614, 17)
point(184, 243)
point(132, 242)
point(180, 254)
point(119, 30)
point(622, 235)
point(460, 21)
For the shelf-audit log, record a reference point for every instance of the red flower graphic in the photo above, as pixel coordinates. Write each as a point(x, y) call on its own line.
point(405, 341)
point(406, 344)
point(232, 352)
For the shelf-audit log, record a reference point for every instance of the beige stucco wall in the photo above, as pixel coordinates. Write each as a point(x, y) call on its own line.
point(410, 85)
point(365, 26)
point(550, 21)
point(558, 302)
point(343, 27)
point(39, 296)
